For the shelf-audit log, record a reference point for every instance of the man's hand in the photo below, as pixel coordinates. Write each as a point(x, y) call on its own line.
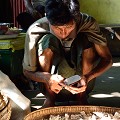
point(54, 83)
point(79, 87)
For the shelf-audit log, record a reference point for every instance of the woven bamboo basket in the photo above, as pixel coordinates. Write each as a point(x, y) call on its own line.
point(41, 113)
point(5, 108)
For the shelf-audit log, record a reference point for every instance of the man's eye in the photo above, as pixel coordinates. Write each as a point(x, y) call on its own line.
point(69, 26)
point(57, 27)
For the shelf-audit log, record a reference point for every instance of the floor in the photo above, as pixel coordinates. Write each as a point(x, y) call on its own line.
point(105, 93)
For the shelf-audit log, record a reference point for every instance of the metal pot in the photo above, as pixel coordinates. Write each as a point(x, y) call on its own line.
point(3, 28)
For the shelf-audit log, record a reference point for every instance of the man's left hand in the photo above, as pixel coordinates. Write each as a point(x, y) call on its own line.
point(80, 86)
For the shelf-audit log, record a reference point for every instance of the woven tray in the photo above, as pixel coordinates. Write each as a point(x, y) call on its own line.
point(41, 113)
point(5, 108)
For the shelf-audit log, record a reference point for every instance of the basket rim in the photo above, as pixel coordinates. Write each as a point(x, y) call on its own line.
point(70, 109)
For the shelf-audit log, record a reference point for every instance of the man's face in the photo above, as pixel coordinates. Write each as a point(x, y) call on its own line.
point(63, 31)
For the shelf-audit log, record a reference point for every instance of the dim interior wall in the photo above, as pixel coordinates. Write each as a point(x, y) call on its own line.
point(105, 11)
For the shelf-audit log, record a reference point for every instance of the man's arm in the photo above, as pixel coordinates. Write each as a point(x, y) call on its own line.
point(38, 76)
point(89, 72)
point(104, 64)
point(51, 80)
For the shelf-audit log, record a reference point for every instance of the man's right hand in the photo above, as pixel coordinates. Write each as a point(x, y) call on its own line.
point(54, 83)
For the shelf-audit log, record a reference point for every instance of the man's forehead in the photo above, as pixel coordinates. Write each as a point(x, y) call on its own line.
point(72, 22)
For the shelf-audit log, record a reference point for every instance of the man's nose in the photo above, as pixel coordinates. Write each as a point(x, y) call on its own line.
point(64, 33)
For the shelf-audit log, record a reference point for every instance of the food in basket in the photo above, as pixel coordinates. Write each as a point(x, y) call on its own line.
point(84, 116)
point(75, 113)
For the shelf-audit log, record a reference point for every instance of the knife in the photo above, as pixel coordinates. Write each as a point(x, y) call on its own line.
point(72, 80)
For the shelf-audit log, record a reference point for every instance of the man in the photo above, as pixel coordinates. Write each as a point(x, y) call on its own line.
point(65, 43)
point(35, 10)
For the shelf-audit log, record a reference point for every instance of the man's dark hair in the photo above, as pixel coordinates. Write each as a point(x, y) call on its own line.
point(60, 12)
